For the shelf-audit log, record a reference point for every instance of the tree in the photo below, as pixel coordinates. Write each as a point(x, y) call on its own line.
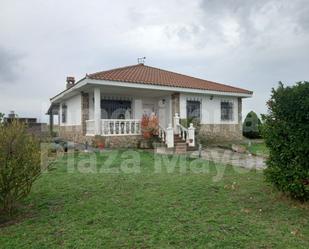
point(1, 117)
point(286, 133)
point(251, 126)
point(19, 164)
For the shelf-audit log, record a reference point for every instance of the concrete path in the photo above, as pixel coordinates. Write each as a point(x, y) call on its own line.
point(224, 156)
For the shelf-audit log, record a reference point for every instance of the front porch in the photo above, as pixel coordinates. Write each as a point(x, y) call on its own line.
point(114, 111)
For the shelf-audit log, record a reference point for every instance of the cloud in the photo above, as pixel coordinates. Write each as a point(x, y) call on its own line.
point(250, 44)
point(9, 66)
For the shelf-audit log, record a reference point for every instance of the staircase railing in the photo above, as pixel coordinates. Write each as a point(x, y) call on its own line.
point(162, 133)
point(186, 134)
point(167, 135)
point(183, 133)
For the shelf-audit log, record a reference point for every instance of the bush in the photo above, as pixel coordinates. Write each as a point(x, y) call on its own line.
point(286, 133)
point(251, 126)
point(1, 117)
point(149, 126)
point(195, 121)
point(19, 164)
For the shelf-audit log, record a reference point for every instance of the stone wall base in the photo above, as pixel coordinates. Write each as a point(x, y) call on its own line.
point(213, 133)
point(123, 141)
point(209, 133)
point(74, 133)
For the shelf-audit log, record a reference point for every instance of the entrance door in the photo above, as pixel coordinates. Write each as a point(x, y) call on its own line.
point(148, 108)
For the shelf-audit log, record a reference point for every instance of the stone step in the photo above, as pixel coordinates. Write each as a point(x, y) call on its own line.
point(179, 141)
point(195, 148)
point(180, 147)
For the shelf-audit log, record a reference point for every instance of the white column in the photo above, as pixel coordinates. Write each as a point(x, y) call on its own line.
point(176, 123)
point(191, 135)
point(97, 111)
point(137, 109)
point(182, 106)
point(170, 136)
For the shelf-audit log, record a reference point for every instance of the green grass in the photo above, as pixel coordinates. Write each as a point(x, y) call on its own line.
point(259, 149)
point(156, 210)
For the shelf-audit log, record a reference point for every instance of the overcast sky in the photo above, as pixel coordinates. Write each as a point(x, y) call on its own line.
point(246, 43)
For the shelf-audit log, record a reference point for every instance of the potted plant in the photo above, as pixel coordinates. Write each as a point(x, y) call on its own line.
point(150, 130)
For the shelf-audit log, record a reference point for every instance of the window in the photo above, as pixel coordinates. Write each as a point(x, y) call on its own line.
point(193, 109)
point(226, 111)
point(115, 109)
point(64, 113)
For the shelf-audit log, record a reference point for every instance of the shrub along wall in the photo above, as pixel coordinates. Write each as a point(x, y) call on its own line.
point(251, 126)
point(19, 164)
point(286, 133)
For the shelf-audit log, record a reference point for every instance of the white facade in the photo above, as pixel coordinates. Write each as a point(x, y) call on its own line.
point(73, 105)
point(210, 107)
point(120, 118)
point(145, 99)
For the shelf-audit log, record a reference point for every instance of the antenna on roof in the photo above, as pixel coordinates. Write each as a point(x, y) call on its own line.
point(141, 60)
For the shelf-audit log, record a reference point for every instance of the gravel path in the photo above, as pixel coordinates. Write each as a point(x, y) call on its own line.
point(223, 156)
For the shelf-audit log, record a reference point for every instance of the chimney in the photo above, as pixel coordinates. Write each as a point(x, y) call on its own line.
point(70, 82)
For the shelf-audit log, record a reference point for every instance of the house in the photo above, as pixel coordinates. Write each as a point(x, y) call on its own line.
point(33, 127)
point(12, 116)
point(111, 103)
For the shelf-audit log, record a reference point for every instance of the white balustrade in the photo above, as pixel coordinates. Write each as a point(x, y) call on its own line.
point(120, 127)
point(187, 134)
point(162, 133)
point(183, 133)
point(167, 135)
point(115, 127)
point(191, 135)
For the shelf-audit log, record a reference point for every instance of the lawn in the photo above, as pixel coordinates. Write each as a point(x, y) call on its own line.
point(173, 208)
point(259, 149)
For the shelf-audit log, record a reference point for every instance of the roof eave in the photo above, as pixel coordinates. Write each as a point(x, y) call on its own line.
point(86, 80)
point(166, 88)
point(77, 85)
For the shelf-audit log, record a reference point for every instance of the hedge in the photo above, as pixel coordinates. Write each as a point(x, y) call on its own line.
point(286, 133)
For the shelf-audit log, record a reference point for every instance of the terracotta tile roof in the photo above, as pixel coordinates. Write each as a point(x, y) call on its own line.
point(150, 75)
